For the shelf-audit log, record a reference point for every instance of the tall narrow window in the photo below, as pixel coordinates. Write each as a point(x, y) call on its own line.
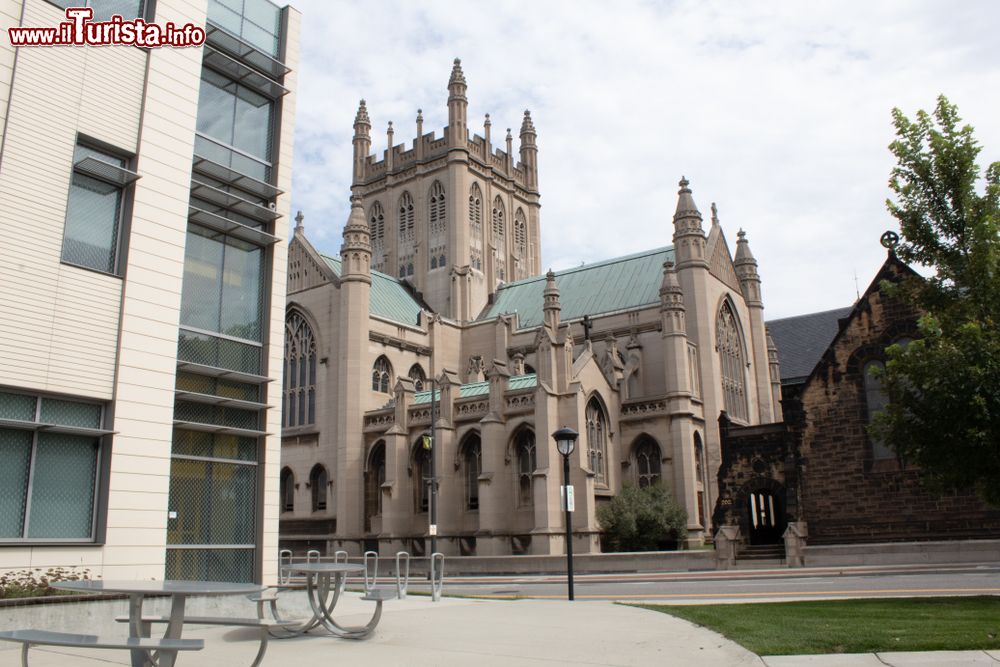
point(374, 479)
point(407, 235)
point(730, 346)
point(421, 477)
point(300, 372)
point(476, 227)
point(647, 462)
point(597, 441)
point(876, 400)
point(382, 375)
point(318, 480)
point(92, 235)
point(376, 227)
point(287, 490)
point(521, 243)
point(500, 239)
point(417, 375)
point(473, 460)
point(700, 478)
point(437, 214)
point(524, 445)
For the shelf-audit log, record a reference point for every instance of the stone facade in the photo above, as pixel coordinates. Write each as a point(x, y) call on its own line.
point(820, 466)
point(639, 354)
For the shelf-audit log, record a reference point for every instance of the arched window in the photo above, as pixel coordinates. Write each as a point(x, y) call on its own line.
point(524, 446)
point(647, 462)
point(437, 215)
point(472, 459)
point(300, 372)
point(876, 400)
point(376, 227)
point(700, 478)
point(521, 243)
point(374, 478)
point(317, 483)
point(421, 476)
point(476, 227)
point(382, 375)
point(417, 375)
point(287, 490)
point(597, 441)
point(500, 238)
point(730, 347)
point(407, 235)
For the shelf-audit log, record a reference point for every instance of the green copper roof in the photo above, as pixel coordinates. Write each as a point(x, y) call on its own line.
point(479, 388)
point(523, 381)
point(389, 299)
point(591, 289)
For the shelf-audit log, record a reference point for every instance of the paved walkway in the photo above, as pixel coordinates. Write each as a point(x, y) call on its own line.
point(459, 631)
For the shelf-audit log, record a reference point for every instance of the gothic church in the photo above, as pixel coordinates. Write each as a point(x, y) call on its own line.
point(439, 278)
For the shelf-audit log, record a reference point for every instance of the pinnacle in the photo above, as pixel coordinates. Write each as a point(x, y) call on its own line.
point(362, 116)
point(457, 76)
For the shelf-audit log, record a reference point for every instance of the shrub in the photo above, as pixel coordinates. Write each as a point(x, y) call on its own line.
point(36, 583)
point(645, 519)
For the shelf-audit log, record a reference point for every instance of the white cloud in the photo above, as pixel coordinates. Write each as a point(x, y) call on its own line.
point(777, 111)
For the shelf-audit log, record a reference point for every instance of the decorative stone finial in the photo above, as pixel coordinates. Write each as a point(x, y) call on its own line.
point(684, 183)
point(299, 227)
point(526, 125)
point(457, 76)
point(890, 240)
point(487, 122)
point(420, 115)
point(715, 214)
point(361, 118)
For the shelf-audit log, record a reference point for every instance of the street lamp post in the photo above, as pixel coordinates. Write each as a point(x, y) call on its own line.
point(566, 442)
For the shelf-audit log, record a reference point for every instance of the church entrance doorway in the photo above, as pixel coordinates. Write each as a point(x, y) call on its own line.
point(767, 523)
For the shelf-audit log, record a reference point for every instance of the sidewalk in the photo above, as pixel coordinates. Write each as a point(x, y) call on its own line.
point(458, 631)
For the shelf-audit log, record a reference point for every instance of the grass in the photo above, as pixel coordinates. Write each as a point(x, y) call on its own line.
point(852, 626)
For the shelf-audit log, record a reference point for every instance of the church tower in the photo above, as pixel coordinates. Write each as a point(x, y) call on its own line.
point(453, 216)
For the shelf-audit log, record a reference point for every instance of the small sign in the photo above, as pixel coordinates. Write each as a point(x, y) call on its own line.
point(426, 441)
point(564, 492)
point(172, 514)
point(433, 529)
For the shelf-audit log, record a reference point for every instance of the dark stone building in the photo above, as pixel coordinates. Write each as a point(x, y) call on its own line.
point(818, 471)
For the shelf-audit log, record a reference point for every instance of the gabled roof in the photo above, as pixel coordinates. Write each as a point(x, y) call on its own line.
point(802, 340)
point(604, 287)
point(389, 298)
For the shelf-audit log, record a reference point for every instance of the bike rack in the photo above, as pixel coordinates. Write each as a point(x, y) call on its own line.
point(312, 555)
point(284, 562)
point(337, 556)
point(402, 575)
point(437, 575)
point(370, 583)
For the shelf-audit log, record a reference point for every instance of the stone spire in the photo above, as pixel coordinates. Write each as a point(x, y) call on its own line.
point(746, 270)
point(671, 302)
point(299, 227)
point(419, 143)
point(689, 237)
point(362, 142)
point(389, 132)
point(551, 305)
point(487, 124)
point(529, 151)
point(774, 373)
point(356, 249)
point(458, 107)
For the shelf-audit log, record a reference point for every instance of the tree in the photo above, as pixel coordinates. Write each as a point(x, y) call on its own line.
point(944, 388)
point(643, 519)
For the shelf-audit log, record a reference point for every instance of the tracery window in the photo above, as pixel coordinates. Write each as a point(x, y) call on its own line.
point(476, 227)
point(407, 235)
point(417, 375)
point(499, 239)
point(473, 460)
point(300, 372)
point(374, 478)
point(287, 490)
point(438, 226)
point(421, 477)
point(521, 243)
point(647, 462)
point(376, 226)
point(729, 343)
point(382, 375)
point(700, 478)
point(318, 480)
point(597, 441)
point(524, 446)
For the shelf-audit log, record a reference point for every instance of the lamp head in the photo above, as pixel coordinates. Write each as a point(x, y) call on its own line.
point(565, 440)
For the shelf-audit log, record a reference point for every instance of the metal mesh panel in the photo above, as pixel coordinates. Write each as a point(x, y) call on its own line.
point(213, 502)
point(203, 413)
point(203, 384)
point(208, 350)
point(211, 445)
point(92, 216)
point(17, 406)
point(210, 564)
point(15, 452)
point(62, 486)
point(70, 413)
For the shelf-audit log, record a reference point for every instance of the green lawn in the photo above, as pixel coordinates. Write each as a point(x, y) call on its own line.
point(852, 626)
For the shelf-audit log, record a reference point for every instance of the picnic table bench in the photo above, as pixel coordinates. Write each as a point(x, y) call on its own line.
point(29, 638)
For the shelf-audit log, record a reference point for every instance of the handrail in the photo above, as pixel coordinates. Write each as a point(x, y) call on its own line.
point(370, 582)
point(402, 576)
point(437, 575)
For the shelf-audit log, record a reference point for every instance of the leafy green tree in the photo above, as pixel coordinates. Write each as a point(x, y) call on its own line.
point(944, 388)
point(643, 519)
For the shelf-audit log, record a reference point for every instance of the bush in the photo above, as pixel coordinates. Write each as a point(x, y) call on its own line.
point(646, 519)
point(36, 583)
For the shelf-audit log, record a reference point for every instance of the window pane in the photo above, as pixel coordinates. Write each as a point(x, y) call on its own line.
point(242, 291)
point(215, 503)
point(263, 13)
point(62, 489)
point(17, 406)
point(198, 443)
point(202, 286)
point(262, 39)
point(216, 105)
point(70, 413)
point(252, 132)
point(227, 18)
point(105, 9)
point(15, 452)
point(91, 235)
point(210, 564)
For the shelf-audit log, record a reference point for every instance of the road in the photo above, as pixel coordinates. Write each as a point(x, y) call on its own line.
point(742, 585)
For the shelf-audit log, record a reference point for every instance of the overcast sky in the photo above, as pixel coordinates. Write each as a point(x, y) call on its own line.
point(777, 111)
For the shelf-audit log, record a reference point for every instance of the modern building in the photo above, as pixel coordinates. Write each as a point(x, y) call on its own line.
point(439, 280)
point(142, 285)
